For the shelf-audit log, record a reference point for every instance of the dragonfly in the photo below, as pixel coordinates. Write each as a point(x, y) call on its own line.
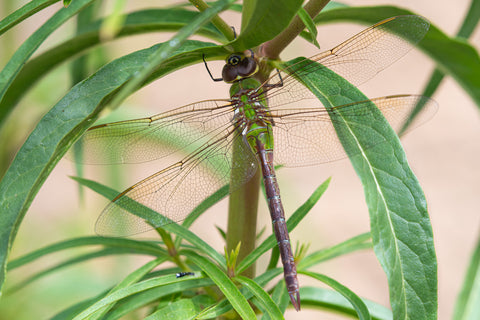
point(260, 122)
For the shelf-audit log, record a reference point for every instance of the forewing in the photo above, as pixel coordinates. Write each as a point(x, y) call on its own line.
point(357, 60)
point(147, 139)
point(307, 136)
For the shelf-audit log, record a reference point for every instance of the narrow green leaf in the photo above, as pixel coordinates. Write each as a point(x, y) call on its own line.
point(400, 226)
point(334, 301)
point(78, 259)
point(450, 54)
point(470, 21)
point(113, 23)
point(13, 66)
point(221, 232)
point(264, 21)
point(468, 25)
point(79, 67)
point(138, 300)
point(142, 247)
point(130, 290)
point(204, 206)
point(294, 220)
point(224, 306)
point(280, 298)
point(468, 301)
point(357, 303)
point(266, 302)
point(62, 125)
point(144, 298)
point(360, 242)
point(132, 278)
point(152, 20)
point(161, 54)
point(23, 13)
point(310, 25)
point(70, 312)
point(228, 288)
point(152, 216)
point(183, 309)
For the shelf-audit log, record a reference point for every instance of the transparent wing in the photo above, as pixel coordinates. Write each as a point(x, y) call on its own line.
point(175, 191)
point(152, 138)
point(357, 60)
point(307, 136)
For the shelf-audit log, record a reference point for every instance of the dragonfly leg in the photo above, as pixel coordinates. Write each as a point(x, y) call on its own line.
point(275, 85)
point(208, 70)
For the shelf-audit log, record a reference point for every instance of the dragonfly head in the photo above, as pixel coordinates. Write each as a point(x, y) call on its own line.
point(238, 66)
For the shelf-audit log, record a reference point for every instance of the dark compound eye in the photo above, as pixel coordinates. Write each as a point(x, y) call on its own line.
point(238, 67)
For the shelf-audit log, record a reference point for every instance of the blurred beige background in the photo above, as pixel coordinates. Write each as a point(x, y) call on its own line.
point(443, 153)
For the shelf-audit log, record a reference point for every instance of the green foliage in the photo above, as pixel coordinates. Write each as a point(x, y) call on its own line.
point(396, 202)
point(401, 233)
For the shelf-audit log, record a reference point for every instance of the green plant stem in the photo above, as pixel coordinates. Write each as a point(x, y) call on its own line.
point(218, 22)
point(272, 49)
point(172, 251)
point(242, 215)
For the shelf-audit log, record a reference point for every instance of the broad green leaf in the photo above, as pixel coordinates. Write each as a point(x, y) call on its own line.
point(400, 226)
point(23, 13)
point(262, 20)
point(468, 301)
point(334, 301)
point(357, 303)
point(294, 220)
point(450, 54)
point(265, 301)
point(228, 288)
point(156, 219)
point(64, 123)
point(152, 20)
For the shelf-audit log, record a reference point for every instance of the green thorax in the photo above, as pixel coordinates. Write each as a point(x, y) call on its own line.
point(254, 113)
point(245, 84)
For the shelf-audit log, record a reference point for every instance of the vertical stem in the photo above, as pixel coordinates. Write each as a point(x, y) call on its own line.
point(242, 215)
point(271, 49)
point(221, 25)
